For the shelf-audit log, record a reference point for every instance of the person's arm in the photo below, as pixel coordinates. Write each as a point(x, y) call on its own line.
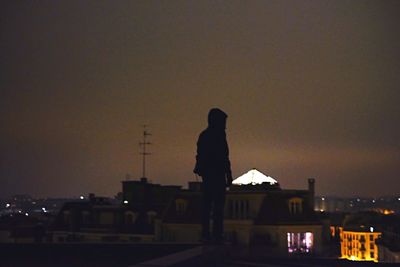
point(199, 167)
point(228, 170)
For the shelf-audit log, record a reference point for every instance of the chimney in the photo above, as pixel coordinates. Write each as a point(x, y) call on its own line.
point(311, 192)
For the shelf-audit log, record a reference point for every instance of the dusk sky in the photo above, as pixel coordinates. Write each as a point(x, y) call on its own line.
point(312, 89)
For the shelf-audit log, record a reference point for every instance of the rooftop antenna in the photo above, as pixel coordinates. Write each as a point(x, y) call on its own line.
point(144, 152)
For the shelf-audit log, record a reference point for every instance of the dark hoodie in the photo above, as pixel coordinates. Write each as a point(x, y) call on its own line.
point(212, 148)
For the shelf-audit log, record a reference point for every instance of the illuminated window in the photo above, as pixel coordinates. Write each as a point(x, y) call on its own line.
point(300, 242)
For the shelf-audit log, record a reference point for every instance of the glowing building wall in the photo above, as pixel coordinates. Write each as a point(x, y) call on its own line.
point(359, 246)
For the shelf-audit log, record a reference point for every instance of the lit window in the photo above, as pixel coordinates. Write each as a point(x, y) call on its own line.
point(300, 242)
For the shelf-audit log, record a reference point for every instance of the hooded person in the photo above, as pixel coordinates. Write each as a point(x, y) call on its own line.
point(213, 165)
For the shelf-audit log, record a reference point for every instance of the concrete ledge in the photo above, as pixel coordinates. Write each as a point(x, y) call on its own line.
point(209, 255)
point(173, 259)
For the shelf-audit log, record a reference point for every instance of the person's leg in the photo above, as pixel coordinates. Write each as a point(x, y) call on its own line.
point(218, 212)
point(207, 203)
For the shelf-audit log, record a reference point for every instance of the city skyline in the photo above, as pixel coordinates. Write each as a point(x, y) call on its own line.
point(310, 88)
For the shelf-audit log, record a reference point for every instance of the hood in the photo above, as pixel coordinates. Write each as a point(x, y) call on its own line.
point(217, 119)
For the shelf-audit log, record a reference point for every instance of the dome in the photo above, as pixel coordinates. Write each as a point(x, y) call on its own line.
point(254, 177)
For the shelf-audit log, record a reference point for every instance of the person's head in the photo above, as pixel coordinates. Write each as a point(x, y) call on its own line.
point(217, 119)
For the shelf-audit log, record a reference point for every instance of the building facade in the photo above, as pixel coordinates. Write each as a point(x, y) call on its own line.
point(359, 244)
point(257, 214)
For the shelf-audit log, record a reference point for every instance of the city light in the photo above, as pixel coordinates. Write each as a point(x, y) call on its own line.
point(82, 197)
point(126, 202)
point(371, 229)
point(26, 214)
point(8, 205)
point(44, 209)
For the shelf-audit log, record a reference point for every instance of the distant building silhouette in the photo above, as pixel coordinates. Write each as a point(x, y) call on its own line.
point(97, 219)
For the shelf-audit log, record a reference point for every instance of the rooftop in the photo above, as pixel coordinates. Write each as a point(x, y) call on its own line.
point(254, 177)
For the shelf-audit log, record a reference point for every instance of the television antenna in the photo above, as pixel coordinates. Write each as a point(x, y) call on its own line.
point(144, 152)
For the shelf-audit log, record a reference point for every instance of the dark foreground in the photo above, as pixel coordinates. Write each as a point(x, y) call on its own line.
point(83, 255)
point(140, 255)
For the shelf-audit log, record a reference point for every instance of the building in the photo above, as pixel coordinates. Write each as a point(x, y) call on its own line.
point(389, 244)
point(359, 235)
point(258, 213)
point(20, 228)
point(359, 244)
point(98, 219)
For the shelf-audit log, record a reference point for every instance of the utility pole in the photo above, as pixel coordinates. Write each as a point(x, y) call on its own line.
point(144, 152)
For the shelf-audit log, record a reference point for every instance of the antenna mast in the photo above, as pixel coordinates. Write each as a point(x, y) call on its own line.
point(144, 152)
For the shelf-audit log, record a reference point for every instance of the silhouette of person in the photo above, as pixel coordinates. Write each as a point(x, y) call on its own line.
point(213, 165)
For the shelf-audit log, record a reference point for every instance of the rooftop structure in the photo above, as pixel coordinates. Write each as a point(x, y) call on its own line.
point(254, 177)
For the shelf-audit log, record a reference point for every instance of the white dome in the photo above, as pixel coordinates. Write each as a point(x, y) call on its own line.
point(254, 177)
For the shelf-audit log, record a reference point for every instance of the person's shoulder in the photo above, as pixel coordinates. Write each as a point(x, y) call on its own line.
point(205, 132)
point(205, 135)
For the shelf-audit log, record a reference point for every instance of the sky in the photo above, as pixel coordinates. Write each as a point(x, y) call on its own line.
point(311, 89)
